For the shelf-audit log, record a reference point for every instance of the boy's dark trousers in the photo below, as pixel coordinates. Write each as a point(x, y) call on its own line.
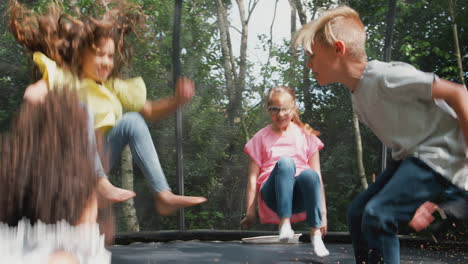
point(456, 205)
point(376, 215)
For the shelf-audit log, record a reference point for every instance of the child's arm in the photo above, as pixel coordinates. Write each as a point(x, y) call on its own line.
point(456, 96)
point(36, 92)
point(314, 163)
point(162, 108)
point(251, 195)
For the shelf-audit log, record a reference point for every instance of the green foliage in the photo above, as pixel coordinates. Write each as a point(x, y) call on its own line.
point(14, 74)
point(214, 163)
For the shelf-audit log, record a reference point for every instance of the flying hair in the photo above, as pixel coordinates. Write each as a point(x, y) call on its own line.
point(63, 34)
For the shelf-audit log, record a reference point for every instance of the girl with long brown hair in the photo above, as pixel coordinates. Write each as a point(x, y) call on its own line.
point(89, 52)
point(48, 206)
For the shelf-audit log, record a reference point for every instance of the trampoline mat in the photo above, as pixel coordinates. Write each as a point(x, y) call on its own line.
point(236, 252)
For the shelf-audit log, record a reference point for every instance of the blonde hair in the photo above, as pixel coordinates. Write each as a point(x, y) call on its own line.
point(296, 119)
point(341, 23)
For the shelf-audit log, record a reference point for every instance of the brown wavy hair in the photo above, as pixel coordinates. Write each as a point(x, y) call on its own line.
point(63, 36)
point(296, 119)
point(47, 168)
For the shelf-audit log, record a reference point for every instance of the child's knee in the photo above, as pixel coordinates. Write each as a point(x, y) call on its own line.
point(133, 116)
point(286, 165)
point(134, 119)
point(286, 162)
point(374, 219)
point(309, 177)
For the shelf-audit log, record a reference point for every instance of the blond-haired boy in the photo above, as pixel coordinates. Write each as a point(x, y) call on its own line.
point(422, 118)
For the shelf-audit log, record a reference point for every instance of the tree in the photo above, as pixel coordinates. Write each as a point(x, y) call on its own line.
point(218, 121)
point(128, 220)
point(452, 4)
point(306, 83)
point(358, 142)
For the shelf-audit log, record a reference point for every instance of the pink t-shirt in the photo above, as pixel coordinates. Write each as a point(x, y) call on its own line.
point(266, 147)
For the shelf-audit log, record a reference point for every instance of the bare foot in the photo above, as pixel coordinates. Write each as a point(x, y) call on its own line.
point(109, 194)
point(167, 203)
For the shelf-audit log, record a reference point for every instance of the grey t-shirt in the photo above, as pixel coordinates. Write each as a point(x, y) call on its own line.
point(395, 101)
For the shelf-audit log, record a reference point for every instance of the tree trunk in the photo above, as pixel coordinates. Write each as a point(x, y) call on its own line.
point(387, 56)
point(229, 64)
point(456, 42)
point(129, 217)
point(292, 75)
point(235, 102)
point(270, 48)
point(293, 19)
point(306, 83)
point(360, 163)
point(358, 142)
point(235, 84)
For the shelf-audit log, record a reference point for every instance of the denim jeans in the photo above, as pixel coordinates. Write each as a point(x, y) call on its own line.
point(132, 130)
point(456, 204)
point(92, 142)
point(454, 193)
point(286, 195)
point(375, 216)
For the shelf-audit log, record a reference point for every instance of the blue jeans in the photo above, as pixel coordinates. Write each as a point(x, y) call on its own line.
point(286, 195)
point(132, 130)
point(92, 142)
point(456, 204)
point(453, 193)
point(375, 215)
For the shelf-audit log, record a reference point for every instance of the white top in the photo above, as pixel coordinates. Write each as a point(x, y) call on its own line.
point(395, 101)
point(33, 244)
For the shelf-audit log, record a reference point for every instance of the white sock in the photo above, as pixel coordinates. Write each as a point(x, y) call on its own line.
point(318, 246)
point(285, 232)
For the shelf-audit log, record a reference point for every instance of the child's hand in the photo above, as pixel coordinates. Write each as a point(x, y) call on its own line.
point(248, 221)
point(36, 92)
point(423, 216)
point(324, 230)
point(324, 227)
point(185, 90)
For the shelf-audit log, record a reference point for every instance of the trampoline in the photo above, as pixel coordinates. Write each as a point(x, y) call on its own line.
point(226, 247)
point(216, 246)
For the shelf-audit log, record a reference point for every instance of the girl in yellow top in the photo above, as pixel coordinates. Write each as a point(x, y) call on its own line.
point(88, 53)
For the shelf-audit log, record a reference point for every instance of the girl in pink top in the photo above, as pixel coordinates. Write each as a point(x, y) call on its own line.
point(284, 172)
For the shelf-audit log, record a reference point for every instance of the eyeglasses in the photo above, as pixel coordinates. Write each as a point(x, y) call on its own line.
point(274, 110)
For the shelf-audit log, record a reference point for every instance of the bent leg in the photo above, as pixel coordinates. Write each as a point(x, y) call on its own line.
point(92, 142)
point(105, 189)
point(410, 186)
point(356, 209)
point(308, 195)
point(131, 129)
point(277, 191)
point(455, 207)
